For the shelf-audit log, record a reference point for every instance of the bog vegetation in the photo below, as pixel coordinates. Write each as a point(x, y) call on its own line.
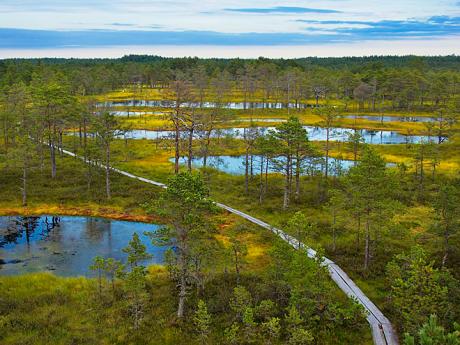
point(390, 219)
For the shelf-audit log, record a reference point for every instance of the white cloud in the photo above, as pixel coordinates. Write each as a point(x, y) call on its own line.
point(210, 15)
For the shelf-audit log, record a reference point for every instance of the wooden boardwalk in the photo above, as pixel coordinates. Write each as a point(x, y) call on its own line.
point(382, 330)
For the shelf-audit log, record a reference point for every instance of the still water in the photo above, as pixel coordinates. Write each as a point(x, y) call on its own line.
point(256, 105)
point(235, 165)
point(66, 245)
point(314, 134)
point(135, 113)
point(391, 118)
point(229, 105)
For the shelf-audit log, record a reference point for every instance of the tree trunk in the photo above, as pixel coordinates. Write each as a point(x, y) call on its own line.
point(176, 149)
point(182, 290)
point(261, 185)
point(266, 176)
point(446, 248)
point(190, 150)
point(237, 268)
point(85, 139)
point(288, 96)
point(60, 145)
point(287, 183)
point(52, 157)
point(41, 151)
point(297, 178)
point(246, 171)
point(89, 174)
point(24, 183)
point(126, 148)
point(107, 170)
point(206, 149)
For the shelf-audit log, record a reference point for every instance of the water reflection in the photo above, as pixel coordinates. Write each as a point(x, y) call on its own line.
point(128, 113)
point(260, 120)
point(314, 134)
point(235, 165)
point(228, 105)
point(391, 118)
point(65, 245)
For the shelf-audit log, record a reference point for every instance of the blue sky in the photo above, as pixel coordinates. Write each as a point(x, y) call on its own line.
point(315, 27)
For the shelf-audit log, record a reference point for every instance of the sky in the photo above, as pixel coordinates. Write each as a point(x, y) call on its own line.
point(209, 28)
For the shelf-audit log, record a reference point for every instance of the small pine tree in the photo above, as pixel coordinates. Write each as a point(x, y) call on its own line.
point(293, 319)
point(433, 334)
point(265, 310)
point(137, 251)
point(272, 329)
point(299, 225)
point(238, 251)
point(417, 289)
point(202, 321)
point(249, 324)
point(300, 336)
point(135, 286)
point(231, 334)
point(98, 265)
point(113, 268)
point(136, 278)
point(240, 301)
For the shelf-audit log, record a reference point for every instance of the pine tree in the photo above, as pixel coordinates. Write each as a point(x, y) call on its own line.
point(447, 207)
point(292, 142)
point(185, 202)
point(136, 278)
point(299, 225)
point(98, 265)
point(137, 251)
point(202, 321)
point(432, 333)
point(238, 251)
point(417, 289)
point(369, 187)
point(272, 329)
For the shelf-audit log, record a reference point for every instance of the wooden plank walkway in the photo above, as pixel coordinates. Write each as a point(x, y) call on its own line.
point(382, 330)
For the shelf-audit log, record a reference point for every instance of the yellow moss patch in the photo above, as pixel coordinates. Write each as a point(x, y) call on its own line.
point(420, 216)
point(225, 240)
point(157, 270)
point(90, 210)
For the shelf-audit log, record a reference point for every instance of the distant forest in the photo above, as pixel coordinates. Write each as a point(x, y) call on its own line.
point(409, 80)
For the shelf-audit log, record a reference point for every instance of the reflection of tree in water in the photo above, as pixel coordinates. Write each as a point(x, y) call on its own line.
point(24, 227)
point(48, 224)
point(96, 228)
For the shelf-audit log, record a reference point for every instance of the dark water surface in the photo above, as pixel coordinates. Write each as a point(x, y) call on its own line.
point(66, 245)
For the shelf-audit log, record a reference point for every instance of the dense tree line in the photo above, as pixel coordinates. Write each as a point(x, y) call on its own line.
point(376, 82)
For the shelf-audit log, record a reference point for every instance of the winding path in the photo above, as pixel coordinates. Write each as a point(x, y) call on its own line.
point(382, 330)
